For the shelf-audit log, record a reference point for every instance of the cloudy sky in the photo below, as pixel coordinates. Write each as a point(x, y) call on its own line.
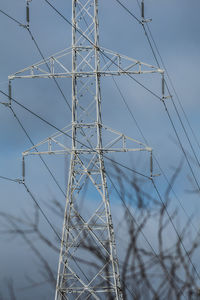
point(175, 28)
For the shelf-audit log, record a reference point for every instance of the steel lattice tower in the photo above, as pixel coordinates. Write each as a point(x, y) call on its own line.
point(87, 161)
point(88, 234)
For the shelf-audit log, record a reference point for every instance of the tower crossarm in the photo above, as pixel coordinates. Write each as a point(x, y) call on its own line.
point(59, 65)
point(113, 141)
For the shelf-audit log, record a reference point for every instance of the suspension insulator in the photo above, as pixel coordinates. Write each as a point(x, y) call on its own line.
point(9, 91)
point(23, 168)
point(163, 85)
point(142, 9)
point(151, 164)
point(27, 13)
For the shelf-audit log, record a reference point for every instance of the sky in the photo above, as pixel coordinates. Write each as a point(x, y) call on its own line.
point(175, 28)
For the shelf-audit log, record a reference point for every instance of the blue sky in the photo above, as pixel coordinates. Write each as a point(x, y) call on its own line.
point(175, 27)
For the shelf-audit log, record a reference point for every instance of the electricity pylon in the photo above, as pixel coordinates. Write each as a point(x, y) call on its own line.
point(88, 265)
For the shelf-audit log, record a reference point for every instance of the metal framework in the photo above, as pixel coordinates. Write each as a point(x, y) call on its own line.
point(60, 65)
point(88, 265)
